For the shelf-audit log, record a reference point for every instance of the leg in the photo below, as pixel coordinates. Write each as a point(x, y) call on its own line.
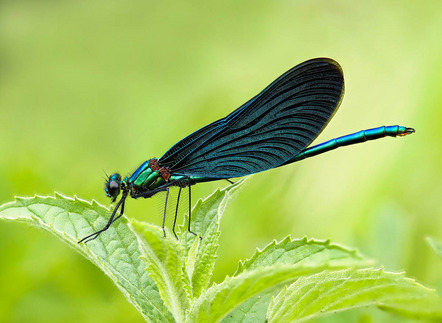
point(176, 212)
point(121, 212)
point(93, 236)
point(165, 211)
point(229, 181)
point(148, 194)
point(190, 210)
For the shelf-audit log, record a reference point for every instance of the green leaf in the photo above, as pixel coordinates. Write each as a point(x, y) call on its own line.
point(331, 291)
point(255, 308)
point(115, 251)
point(221, 299)
point(300, 252)
point(164, 260)
point(303, 252)
point(206, 217)
point(174, 286)
point(436, 245)
point(191, 259)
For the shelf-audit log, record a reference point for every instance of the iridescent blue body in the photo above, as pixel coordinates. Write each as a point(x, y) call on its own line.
point(351, 139)
point(144, 178)
point(272, 129)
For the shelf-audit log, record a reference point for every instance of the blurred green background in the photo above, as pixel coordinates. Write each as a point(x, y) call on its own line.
point(87, 86)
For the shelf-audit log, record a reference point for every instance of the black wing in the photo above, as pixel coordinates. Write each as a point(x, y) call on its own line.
point(268, 130)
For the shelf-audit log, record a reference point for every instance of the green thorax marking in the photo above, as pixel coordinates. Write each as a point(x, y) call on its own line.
point(147, 176)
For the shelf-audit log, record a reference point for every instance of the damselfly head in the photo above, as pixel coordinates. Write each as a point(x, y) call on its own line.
point(113, 186)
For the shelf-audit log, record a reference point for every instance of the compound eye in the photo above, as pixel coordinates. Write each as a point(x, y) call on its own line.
point(114, 188)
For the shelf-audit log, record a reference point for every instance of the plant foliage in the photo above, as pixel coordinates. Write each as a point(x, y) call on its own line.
point(169, 280)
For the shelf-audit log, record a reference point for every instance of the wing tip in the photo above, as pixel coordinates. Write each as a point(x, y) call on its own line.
point(327, 60)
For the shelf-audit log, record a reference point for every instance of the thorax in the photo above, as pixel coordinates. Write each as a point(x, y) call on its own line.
point(148, 176)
